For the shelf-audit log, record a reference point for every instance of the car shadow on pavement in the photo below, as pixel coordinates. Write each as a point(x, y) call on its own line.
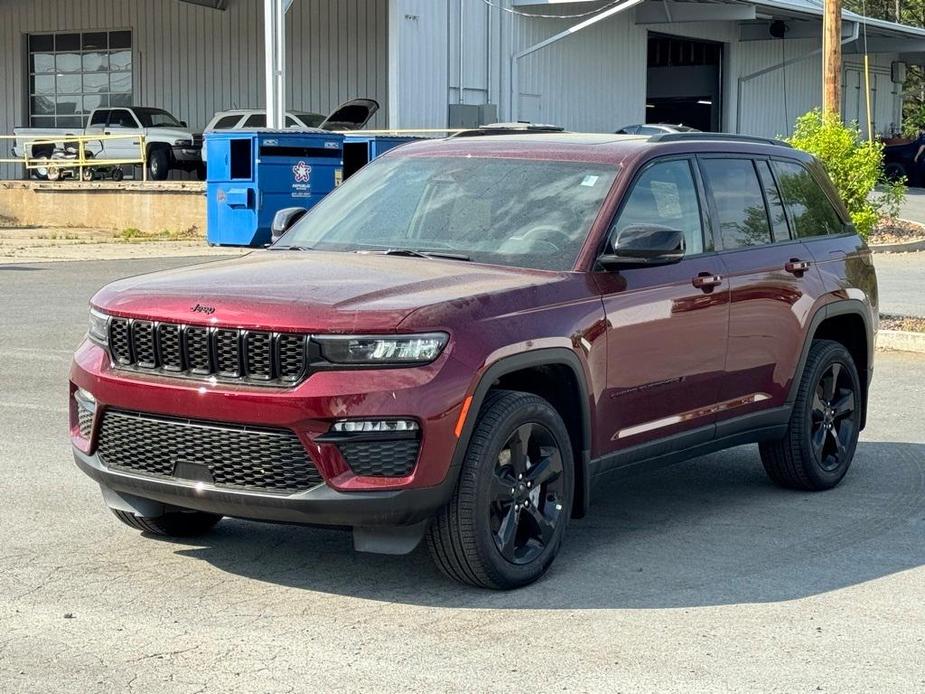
point(712, 531)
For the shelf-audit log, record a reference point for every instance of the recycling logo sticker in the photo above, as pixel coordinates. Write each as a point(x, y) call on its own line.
point(301, 174)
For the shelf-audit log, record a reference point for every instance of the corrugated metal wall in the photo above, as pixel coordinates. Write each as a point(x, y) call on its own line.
point(194, 61)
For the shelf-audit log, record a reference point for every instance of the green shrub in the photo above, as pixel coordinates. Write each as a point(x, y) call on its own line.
point(854, 164)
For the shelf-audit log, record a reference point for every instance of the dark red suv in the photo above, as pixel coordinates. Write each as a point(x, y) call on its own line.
point(458, 342)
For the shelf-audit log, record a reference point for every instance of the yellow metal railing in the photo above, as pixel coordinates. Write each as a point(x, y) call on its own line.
point(79, 160)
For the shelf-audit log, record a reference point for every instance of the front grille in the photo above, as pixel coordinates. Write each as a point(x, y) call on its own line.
point(225, 455)
point(381, 458)
point(195, 352)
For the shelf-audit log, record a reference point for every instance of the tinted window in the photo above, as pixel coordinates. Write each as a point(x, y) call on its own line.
point(258, 120)
point(121, 118)
point(99, 117)
point(665, 194)
point(226, 123)
point(740, 211)
point(810, 209)
point(775, 203)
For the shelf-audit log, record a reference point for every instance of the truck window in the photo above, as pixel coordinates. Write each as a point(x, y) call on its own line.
point(99, 117)
point(121, 118)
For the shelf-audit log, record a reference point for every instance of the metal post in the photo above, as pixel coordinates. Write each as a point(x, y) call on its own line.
point(275, 39)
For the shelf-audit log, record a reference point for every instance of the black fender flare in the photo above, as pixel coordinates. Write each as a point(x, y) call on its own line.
point(840, 307)
point(550, 356)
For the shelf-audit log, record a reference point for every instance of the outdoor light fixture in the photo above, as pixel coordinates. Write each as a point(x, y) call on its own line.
point(98, 328)
point(374, 425)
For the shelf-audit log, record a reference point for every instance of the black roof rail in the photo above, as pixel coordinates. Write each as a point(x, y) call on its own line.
point(716, 137)
point(520, 127)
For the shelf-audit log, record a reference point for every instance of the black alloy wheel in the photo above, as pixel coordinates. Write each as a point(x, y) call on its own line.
point(527, 494)
point(834, 417)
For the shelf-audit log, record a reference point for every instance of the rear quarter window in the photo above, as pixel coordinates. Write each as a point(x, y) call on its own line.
point(811, 211)
point(226, 123)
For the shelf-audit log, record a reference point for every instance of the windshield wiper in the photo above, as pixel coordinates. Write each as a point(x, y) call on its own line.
point(290, 248)
point(412, 253)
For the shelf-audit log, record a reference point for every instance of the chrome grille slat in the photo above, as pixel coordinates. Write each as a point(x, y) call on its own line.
point(190, 351)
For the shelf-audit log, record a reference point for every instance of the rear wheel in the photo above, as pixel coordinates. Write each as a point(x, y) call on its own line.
point(505, 523)
point(172, 524)
point(821, 438)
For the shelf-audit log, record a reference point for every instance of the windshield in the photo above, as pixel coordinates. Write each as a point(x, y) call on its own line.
point(519, 212)
point(156, 118)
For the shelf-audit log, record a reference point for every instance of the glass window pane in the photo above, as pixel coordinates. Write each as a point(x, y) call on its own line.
point(94, 41)
point(70, 122)
point(120, 60)
point(69, 84)
point(665, 195)
point(43, 84)
point(743, 219)
point(94, 102)
point(41, 42)
point(67, 42)
point(812, 213)
point(120, 39)
point(42, 122)
point(120, 81)
point(68, 62)
point(227, 122)
point(96, 83)
point(42, 62)
point(43, 105)
point(258, 120)
point(99, 118)
point(775, 203)
point(68, 105)
point(120, 99)
point(95, 62)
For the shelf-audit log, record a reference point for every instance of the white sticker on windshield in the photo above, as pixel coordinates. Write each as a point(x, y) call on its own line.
point(589, 181)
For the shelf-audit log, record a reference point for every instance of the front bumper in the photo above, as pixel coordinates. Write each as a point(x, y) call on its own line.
point(432, 395)
point(190, 154)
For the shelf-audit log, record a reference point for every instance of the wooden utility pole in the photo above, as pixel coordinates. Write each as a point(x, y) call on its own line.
point(831, 57)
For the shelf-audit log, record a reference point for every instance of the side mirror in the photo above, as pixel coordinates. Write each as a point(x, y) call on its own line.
point(183, 123)
point(283, 221)
point(643, 245)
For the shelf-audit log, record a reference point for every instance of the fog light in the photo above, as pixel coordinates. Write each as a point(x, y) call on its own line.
point(86, 407)
point(370, 425)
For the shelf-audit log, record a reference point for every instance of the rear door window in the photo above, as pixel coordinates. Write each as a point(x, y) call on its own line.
point(227, 123)
point(665, 194)
point(739, 202)
point(257, 120)
point(775, 202)
point(810, 210)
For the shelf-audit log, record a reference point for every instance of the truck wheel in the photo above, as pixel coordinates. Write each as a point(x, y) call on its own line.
point(173, 524)
point(158, 165)
point(53, 173)
point(822, 435)
point(118, 174)
point(505, 523)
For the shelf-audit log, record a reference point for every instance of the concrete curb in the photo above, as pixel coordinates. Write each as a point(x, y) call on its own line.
point(907, 247)
point(900, 341)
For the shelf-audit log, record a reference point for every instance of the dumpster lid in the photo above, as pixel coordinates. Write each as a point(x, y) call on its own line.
point(351, 115)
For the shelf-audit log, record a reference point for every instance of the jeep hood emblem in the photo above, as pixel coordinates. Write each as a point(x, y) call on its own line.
point(199, 308)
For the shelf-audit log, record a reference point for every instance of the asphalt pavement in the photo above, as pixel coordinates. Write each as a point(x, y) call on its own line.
point(702, 577)
point(901, 277)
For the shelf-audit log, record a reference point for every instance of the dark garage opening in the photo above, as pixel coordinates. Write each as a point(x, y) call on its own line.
point(683, 82)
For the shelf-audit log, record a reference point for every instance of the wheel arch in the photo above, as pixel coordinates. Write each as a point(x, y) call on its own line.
point(846, 321)
point(555, 366)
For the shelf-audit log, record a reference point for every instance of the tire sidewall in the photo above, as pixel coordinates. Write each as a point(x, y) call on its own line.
point(820, 476)
point(479, 470)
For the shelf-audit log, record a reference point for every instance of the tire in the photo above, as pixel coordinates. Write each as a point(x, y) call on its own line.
point(53, 173)
point(158, 165)
point(88, 174)
point(893, 171)
point(827, 409)
point(173, 524)
point(487, 536)
point(117, 174)
point(201, 172)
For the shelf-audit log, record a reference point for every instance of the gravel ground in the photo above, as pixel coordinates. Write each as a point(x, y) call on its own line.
point(702, 577)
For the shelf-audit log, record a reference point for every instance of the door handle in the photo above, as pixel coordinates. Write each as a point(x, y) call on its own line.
point(106, 132)
point(797, 267)
point(706, 281)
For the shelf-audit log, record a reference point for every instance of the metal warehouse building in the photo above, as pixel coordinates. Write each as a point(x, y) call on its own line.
point(750, 67)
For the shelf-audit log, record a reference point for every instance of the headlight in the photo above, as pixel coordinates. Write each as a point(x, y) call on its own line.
point(183, 143)
point(98, 329)
point(371, 349)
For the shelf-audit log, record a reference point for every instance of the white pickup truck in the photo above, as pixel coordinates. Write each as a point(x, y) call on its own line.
point(169, 143)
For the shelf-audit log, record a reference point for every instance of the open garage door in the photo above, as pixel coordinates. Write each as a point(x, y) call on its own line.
point(683, 82)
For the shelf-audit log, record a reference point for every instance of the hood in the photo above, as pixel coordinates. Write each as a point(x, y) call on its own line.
point(174, 133)
point(351, 115)
point(309, 291)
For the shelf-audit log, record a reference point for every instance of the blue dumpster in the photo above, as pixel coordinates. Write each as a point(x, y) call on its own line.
point(253, 174)
point(360, 149)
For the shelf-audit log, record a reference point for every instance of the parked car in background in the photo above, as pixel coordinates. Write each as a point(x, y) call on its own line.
point(654, 129)
point(899, 161)
point(169, 143)
point(469, 333)
point(350, 115)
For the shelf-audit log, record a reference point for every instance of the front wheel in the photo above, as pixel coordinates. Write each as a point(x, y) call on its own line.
point(505, 523)
point(822, 435)
point(171, 524)
point(158, 165)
